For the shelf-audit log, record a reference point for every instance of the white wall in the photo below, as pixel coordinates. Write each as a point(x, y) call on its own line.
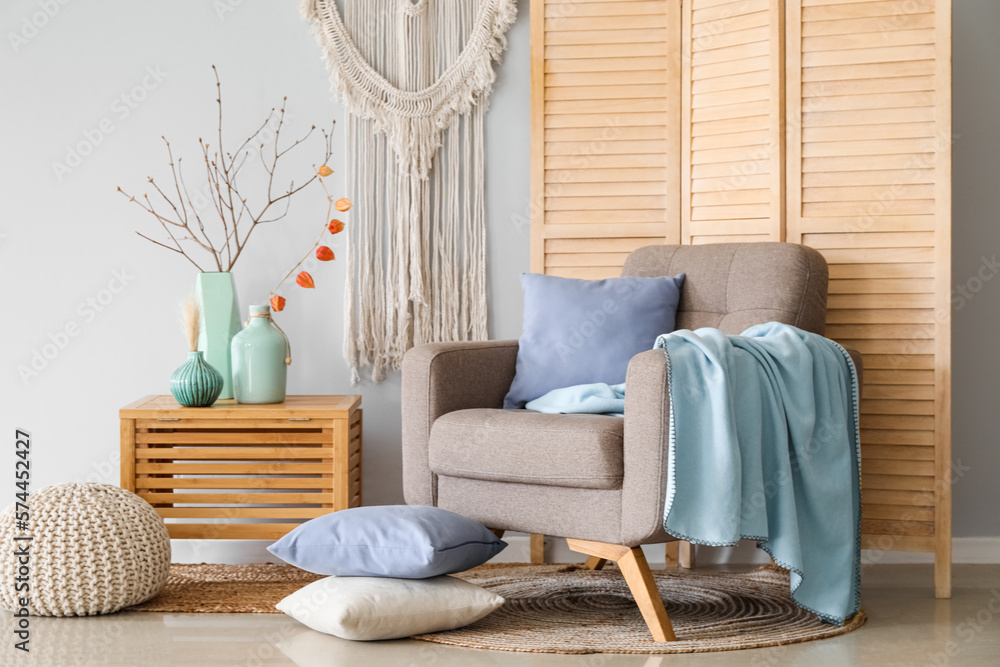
point(975, 252)
point(63, 240)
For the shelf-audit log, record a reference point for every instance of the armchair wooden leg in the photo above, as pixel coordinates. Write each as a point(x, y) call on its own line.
point(685, 554)
point(595, 563)
point(640, 581)
point(537, 549)
point(671, 554)
point(679, 554)
point(498, 532)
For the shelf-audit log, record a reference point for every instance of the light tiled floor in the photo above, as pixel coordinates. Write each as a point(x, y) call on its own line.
point(906, 626)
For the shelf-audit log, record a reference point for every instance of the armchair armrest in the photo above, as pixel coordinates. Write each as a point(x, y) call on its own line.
point(440, 378)
point(647, 419)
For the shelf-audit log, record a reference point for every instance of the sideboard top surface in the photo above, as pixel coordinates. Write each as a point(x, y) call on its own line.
point(317, 407)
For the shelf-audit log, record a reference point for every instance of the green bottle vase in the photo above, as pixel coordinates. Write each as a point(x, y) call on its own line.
point(219, 322)
point(259, 354)
point(196, 384)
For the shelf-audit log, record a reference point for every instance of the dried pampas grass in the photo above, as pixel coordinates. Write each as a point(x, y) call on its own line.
point(190, 316)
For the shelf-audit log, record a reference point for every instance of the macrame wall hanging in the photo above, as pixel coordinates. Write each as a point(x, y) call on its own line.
point(414, 78)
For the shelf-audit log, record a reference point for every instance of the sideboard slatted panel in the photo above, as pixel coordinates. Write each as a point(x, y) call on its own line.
point(605, 133)
point(869, 183)
point(354, 464)
point(220, 479)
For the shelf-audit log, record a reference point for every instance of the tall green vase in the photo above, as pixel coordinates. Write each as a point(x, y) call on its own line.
point(220, 321)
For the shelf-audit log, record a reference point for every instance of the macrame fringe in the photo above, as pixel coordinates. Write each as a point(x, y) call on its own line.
point(415, 88)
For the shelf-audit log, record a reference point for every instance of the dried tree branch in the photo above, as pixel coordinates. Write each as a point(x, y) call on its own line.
point(173, 171)
point(329, 212)
point(237, 216)
point(177, 250)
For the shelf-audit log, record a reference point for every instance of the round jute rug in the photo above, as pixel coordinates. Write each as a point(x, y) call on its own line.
point(567, 609)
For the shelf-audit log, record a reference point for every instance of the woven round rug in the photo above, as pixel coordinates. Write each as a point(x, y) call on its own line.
point(567, 609)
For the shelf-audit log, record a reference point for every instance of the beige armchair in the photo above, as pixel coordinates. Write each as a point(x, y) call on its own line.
point(597, 480)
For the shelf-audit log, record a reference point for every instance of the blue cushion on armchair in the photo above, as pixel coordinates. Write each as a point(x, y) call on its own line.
point(586, 331)
point(401, 541)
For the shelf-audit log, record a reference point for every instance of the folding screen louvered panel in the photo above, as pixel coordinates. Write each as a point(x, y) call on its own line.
point(869, 183)
point(732, 138)
point(605, 132)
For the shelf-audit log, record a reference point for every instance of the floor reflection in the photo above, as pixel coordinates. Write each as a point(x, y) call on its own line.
point(907, 626)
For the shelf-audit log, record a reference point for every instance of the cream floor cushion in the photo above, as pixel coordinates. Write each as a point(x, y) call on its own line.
point(95, 549)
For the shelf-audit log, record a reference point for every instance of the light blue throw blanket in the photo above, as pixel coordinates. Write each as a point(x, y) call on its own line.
point(596, 399)
point(763, 445)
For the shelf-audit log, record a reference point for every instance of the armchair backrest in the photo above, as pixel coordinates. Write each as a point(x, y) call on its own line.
point(732, 286)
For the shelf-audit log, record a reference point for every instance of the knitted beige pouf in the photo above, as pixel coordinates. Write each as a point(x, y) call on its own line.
point(96, 548)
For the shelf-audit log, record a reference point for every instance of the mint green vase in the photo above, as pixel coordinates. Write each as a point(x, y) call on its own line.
point(220, 321)
point(260, 355)
point(196, 384)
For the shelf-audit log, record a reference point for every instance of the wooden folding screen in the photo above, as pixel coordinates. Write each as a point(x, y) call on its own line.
point(822, 122)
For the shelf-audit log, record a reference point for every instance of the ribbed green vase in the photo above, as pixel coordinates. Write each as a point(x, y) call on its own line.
point(196, 384)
